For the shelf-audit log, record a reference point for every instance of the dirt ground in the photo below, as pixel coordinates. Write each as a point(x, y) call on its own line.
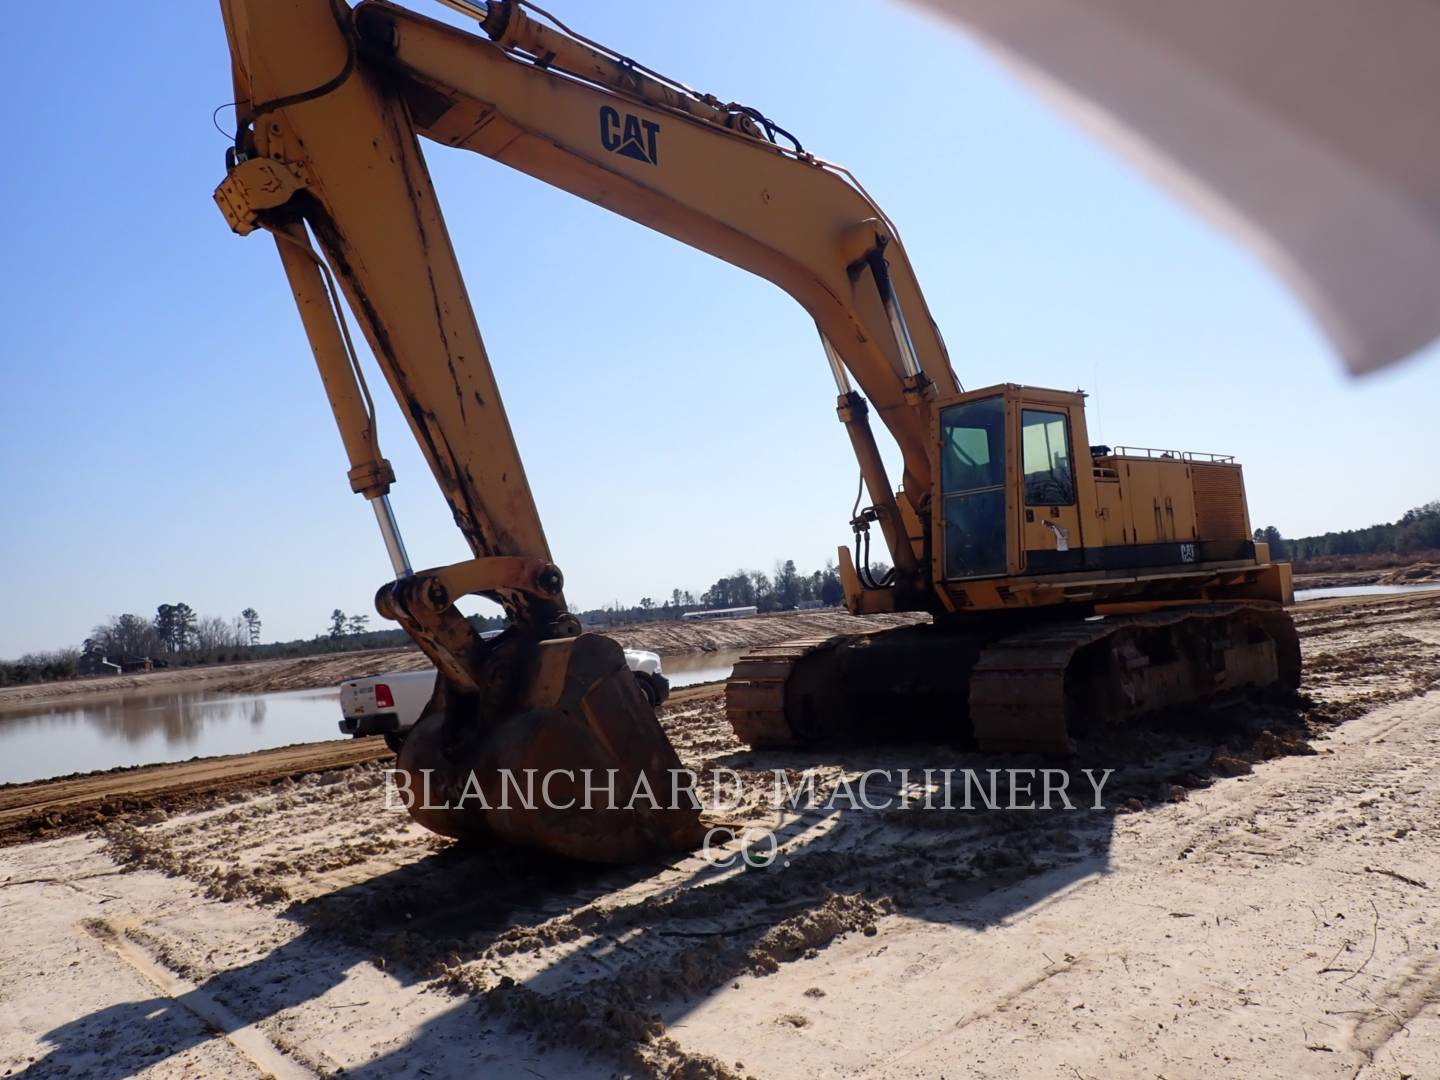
point(1256, 896)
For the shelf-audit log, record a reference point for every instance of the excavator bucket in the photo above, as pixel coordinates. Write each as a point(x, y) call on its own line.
point(575, 763)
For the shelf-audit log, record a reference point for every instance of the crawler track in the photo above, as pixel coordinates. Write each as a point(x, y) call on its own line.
point(1030, 690)
point(755, 691)
point(1021, 692)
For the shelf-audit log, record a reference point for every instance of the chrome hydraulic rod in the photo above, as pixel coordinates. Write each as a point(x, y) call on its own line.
point(390, 531)
point(881, 272)
point(837, 366)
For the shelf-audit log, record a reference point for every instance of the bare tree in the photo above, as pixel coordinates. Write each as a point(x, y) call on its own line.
point(211, 634)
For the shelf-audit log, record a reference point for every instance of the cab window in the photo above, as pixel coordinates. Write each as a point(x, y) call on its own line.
point(972, 448)
point(1045, 446)
point(972, 478)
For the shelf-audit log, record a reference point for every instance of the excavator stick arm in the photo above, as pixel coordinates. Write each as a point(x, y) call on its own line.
point(362, 187)
point(327, 148)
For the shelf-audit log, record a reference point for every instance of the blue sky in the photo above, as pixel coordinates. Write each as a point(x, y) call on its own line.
point(166, 437)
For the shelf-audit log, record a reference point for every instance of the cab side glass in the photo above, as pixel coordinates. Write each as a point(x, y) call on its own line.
point(1045, 446)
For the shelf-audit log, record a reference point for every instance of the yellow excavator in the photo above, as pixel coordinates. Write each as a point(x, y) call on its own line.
point(1068, 585)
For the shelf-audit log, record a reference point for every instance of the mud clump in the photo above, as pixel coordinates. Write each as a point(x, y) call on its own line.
point(813, 930)
point(131, 849)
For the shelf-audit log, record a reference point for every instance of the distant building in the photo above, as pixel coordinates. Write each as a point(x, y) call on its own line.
point(95, 664)
point(99, 664)
point(722, 613)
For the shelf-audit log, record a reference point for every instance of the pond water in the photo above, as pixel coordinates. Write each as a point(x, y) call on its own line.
point(695, 668)
point(139, 727)
point(1361, 590)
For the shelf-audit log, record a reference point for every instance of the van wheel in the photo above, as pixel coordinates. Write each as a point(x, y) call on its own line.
point(647, 688)
point(394, 740)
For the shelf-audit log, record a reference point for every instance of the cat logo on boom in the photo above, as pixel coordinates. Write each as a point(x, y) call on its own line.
point(629, 136)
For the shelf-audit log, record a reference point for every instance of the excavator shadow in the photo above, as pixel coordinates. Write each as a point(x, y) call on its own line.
point(559, 968)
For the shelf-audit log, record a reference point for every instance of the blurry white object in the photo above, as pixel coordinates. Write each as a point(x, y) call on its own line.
point(1306, 128)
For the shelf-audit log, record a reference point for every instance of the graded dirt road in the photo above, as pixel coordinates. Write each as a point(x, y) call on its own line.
point(1256, 896)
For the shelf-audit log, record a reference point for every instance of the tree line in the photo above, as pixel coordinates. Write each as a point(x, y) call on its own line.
point(1417, 530)
point(176, 631)
point(176, 636)
point(787, 589)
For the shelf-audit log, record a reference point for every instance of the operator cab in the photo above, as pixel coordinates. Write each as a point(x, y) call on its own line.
point(1006, 455)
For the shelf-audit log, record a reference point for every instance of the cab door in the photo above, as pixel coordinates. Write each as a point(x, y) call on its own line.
point(1049, 507)
point(975, 502)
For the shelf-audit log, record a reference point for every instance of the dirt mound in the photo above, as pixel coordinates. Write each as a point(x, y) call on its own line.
point(1418, 574)
point(676, 636)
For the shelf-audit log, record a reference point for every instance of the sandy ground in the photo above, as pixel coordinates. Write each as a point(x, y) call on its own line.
point(1256, 897)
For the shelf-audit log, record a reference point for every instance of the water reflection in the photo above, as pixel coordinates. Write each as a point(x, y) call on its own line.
point(1361, 590)
point(695, 668)
point(143, 727)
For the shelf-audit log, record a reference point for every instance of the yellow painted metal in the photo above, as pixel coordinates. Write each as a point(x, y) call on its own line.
point(1123, 500)
point(1220, 508)
point(252, 187)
